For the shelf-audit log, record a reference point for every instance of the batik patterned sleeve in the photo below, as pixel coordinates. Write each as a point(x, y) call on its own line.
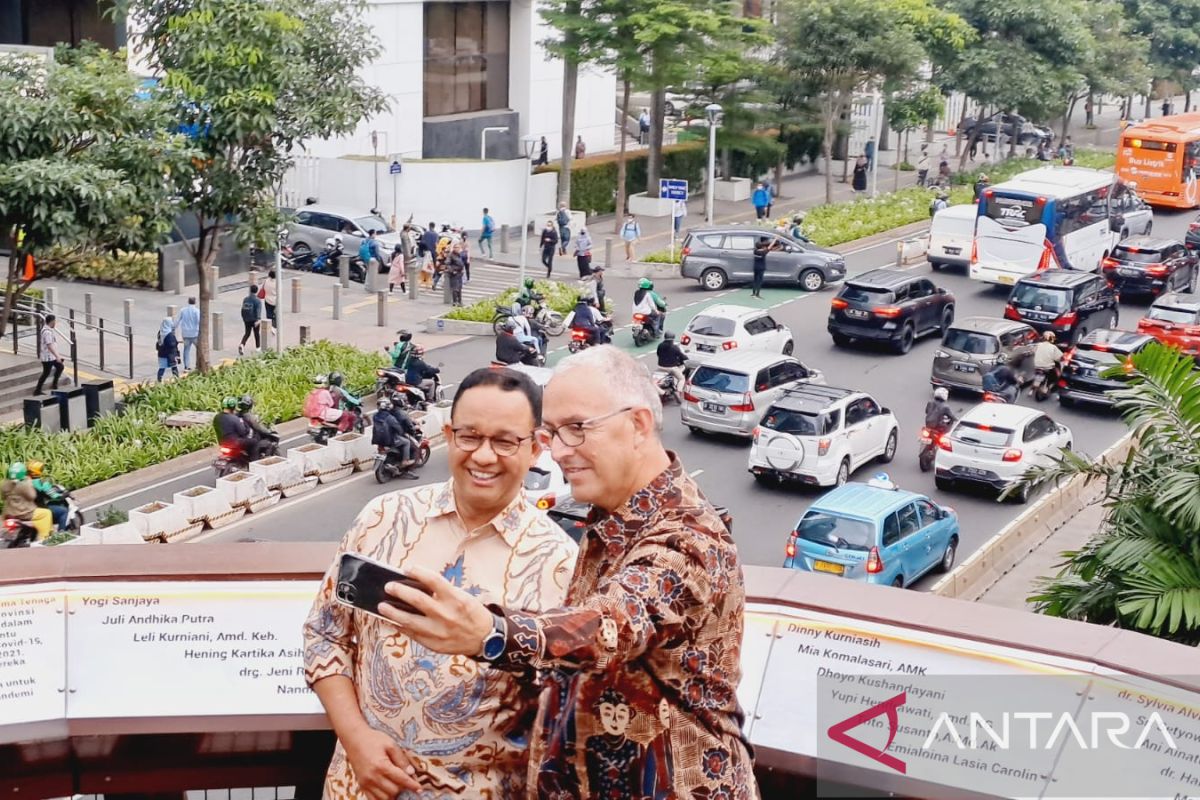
point(329, 647)
point(656, 593)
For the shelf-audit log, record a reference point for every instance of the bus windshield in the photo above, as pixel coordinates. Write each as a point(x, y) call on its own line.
point(1162, 156)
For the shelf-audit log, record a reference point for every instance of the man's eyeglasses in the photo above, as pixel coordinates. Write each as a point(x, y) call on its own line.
point(573, 434)
point(469, 441)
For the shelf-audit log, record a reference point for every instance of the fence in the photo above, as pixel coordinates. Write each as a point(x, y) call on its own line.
point(29, 316)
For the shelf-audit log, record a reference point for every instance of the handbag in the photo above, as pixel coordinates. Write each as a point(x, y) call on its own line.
point(262, 293)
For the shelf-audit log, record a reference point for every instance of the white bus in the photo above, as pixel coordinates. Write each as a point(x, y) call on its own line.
point(1050, 217)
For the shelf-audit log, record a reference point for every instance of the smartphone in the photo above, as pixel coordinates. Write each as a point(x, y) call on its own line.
point(360, 583)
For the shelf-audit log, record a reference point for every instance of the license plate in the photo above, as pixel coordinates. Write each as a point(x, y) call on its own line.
point(973, 472)
point(832, 569)
point(856, 313)
point(1008, 280)
point(706, 348)
point(1129, 273)
point(952, 251)
point(713, 408)
point(964, 367)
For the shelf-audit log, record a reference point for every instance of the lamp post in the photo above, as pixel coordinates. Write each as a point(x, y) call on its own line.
point(483, 139)
point(527, 145)
point(713, 112)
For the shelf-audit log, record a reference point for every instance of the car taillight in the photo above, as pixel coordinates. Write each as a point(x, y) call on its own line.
point(685, 339)
point(729, 345)
point(888, 312)
point(744, 407)
point(1158, 271)
point(943, 442)
point(823, 446)
point(874, 562)
point(1109, 264)
point(837, 304)
point(1012, 454)
point(685, 252)
point(689, 397)
point(1062, 383)
point(1010, 312)
point(1066, 320)
point(546, 501)
point(790, 549)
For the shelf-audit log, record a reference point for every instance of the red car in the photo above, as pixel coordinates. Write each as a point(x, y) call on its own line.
point(1174, 320)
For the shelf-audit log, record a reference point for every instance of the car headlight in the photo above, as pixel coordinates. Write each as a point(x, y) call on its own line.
point(940, 354)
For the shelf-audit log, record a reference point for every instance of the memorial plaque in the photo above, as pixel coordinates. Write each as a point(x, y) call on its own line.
point(757, 640)
point(32, 655)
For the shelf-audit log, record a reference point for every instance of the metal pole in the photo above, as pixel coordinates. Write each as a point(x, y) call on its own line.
point(337, 301)
point(608, 242)
point(877, 134)
point(375, 165)
point(87, 308)
point(128, 312)
point(75, 358)
point(129, 341)
point(712, 170)
point(381, 309)
point(101, 330)
point(525, 220)
point(218, 330)
point(179, 276)
point(278, 301)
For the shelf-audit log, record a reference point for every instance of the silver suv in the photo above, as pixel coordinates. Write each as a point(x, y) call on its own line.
point(717, 257)
point(312, 225)
point(974, 345)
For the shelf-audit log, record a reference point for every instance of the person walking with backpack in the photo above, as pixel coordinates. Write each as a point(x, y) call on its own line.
point(631, 232)
point(485, 236)
point(251, 314)
point(563, 218)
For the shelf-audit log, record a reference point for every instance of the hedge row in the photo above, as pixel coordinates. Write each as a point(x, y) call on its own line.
point(117, 269)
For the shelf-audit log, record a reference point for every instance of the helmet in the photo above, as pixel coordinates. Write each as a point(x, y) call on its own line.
point(645, 283)
point(983, 176)
point(940, 393)
point(17, 471)
point(405, 335)
point(35, 468)
point(337, 237)
point(229, 402)
point(246, 403)
point(335, 379)
point(321, 380)
point(669, 336)
point(384, 404)
point(529, 283)
point(1049, 336)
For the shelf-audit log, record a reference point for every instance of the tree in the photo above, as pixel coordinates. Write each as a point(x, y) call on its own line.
point(911, 110)
point(842, 47)
point(83, 162)
point(1172, 28)
point(1117, 63)
point(1141, 570)
point(252, 80)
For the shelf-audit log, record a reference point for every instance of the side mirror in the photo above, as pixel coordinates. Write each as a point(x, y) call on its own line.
point(885, 410)
point(1116, 223)
point(942, 290)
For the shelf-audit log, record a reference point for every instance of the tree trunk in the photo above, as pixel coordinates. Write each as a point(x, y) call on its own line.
point(570, 87)
point(972, 141)
point(1187, 101)
point(1067, 115)
point(958, 134)
point(654, 160)
point(830, 110)
point(621, 167)
point(1012, 140)
point(884, 128)
point(779, 167)
point(1148, 101)
point(204, 256)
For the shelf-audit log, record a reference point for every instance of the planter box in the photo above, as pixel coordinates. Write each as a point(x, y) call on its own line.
point(645, 269)
point(276, 471)
point(182, 534)
point(304, 484)
point(433, 421)
point(334, 474)
point(266, 501)
point(121, 533)
point(351, 448)
point(458, 327)
point(911, 250)
point(202, 503)
point(227, 517)
point(240, 488)
point(312, 458)
point(644, 206)
point(154, 521)
point(735, 189)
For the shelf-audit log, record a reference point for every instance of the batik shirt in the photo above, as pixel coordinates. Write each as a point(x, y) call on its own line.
point(641, 666)
point(464, 725)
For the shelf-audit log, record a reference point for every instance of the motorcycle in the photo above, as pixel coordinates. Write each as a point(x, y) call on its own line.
point(18, 533)
point(994, 397)
point(60, 496)
point(1044, 381)
point(232, 458)
point(930, 440)
point(644, 329)
point(550, 321)
point(320, 431)
point(668, 387)
point(387, 460)
point(581, 338)
point(327, 261)
point(301, 260)
point(390, 382)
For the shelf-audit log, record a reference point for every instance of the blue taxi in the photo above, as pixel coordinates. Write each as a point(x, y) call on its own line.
point(875, 533)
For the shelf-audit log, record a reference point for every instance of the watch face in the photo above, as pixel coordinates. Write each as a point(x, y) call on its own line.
point(494, 646)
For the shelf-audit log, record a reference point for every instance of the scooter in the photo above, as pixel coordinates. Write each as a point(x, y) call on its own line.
point(668, 387)
point(321, 431)
point(60, 496)
point(581, 338)
point(1044, 381)
point(550, 321)
point(388, 464)
point(232, 458)
point(644, 329)
point(390, 382)
point(18, 533)
point(931, 440)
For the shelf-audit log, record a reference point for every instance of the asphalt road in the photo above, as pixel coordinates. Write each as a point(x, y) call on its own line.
point(762, 516)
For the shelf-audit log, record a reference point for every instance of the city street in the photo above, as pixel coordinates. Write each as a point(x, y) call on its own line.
point(762, 516)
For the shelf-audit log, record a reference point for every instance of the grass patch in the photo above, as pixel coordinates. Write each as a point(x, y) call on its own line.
point(560, 296)
point(662, 257)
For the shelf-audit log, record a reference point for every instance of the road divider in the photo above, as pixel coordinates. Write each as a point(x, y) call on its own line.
point(1000, 554)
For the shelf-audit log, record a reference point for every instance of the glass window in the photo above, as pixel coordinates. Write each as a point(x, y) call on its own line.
point(842, 533)
point(868, 295)
point(712, 240)
point(1046, 298)
point(769, 323)
point(800, 423)
point(1013, 212)
point(466, 57)
point(719, 380)
point(745, 243)
point(975, 433)
point(922, 289)
point(755, 326)
point(972, 342)
point(1181, 316)
point(1138, 255)
point(910, 522)
point(1038, 428)
point(856, 412)
point(929, 512)
point(787, 372)
point(705, 325)
point(891, 530)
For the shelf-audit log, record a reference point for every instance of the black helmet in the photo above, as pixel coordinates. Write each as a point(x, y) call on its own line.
point(669, 336)
point(335, 379)
point(246, 403)
point(405, 335)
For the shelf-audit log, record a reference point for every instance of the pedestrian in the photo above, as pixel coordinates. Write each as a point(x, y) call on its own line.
point(465, 253)
point(168, 349)
point(678, 213)
point(869, 152)
point(441, 253)
point(428, 242)
point(48, 354)
point(549, 243)
point(650, 631)
point(761, 200)
point(1088, 111)
point(580, 148)
point(189, 330)
point(455, 267)
point(859, 180)
point(488, 228)
point(370, 254)
point(251, 314)
point(631, 232)
point(396, 268)
point(563, 218)
point(597, 277)
point(269, 293)
point(761, 249)
point(923, 167)
point(770, 196)
point(583, 252)
point(644, 126)
point(392, 702)
point(1166, 106)
point(543, 153)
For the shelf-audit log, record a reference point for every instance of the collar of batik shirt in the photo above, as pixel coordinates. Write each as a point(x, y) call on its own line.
point(661, 493)
point(510, 522)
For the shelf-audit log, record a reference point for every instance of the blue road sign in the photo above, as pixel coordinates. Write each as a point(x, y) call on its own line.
point(672, 189)
point(394, 169)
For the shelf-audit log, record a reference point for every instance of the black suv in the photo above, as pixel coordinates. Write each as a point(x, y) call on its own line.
point(1084, 363)
point(1064, 301)
point(1150, 265)
point(887, 305)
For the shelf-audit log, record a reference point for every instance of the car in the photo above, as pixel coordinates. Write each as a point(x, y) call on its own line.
point(951, 235)
point(891, 306)
point(874, 534)
point(1095, 353)
point(719, 257)
point(1174, 320)
point(1150, 265)
point(545, 485)
point(819, 435)
point(313, 224)
point(993, 444)
point(974, 345)
point(1129, 214)
point(723, 328)
point(1008, 125)
point(1066, 302)
point(729, 393)
point(1191, 239)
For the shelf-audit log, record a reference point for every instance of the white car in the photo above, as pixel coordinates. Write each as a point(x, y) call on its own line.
point(819, 435)
point(726, 328)
point(545, 484)
point(993, 445)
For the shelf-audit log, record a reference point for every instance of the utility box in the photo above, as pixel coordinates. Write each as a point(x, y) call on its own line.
point(100, 398)
point(73, 408)
point(44, 413)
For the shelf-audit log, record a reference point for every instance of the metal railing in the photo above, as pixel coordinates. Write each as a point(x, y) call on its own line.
point(27, 309)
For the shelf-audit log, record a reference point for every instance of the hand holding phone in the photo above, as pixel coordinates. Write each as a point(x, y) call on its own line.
point(361, 581)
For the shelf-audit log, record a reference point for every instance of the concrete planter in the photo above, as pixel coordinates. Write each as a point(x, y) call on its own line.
point(312, 458)
point(240, 488)
point(458, 327)
point(202, 503)
point(433, 421)
point(156, 521)
point(643, 206)
point(266, 501)
point(276, 471)
point(182, 534)
point(351, 448)
point(227, 517)
point(304, 484)
point(912, 250)
point(335, 474)
point(645, 269)
point(121, 533)
point(733, 189)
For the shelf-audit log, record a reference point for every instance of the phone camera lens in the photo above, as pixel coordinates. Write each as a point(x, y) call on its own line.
point(345, 591)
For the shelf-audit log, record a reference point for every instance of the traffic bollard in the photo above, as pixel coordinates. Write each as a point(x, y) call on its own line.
point(381, 309)
point(87, 308)
point(214, 277)
point(344, 271)
point(295, 295)
point(218, 330)
point(413, 276)
point(447, 296)
point(50, 298)
point(305, 332)
point(180, 276)
point(264, 331)
point(128, 312)
point(371, 284)
point(172, 311)
point(337, 301)
point(254, 277)
point(608, 242)
point(503, 238)
point(900, 253)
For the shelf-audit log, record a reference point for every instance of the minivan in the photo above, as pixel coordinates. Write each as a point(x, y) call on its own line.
point(951, 235)
point(730, 392)
point(1064, 301)
point(718, 257)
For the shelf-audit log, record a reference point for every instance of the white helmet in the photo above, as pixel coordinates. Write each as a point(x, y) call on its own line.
point(941, 393)
point(337, 237)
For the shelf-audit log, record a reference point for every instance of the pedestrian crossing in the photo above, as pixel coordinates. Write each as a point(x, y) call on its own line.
point(487, 280)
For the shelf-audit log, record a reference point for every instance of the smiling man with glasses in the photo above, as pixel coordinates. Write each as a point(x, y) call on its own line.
point(641, 663)
point(414, 723)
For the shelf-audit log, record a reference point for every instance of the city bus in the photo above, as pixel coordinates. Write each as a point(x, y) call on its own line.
point(1051, 217)
point(1161, 158)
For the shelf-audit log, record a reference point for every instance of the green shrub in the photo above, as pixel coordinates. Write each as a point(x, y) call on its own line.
point(559, 296)
point(662, 257)
point(111, 515)
point(138, 438)
point(752, 155)
point(594, 179)
point(906, 167)
point(802, 143)
point(118, 269)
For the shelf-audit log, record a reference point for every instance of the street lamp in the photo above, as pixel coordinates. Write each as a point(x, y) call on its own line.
point(527, 145)
point(713, 112)
point(483, 139)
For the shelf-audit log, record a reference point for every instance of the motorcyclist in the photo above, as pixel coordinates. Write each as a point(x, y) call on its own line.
point(526, 297)
point(647, 301)
point(49, 495)
point(349, 405)
point(671, 359)
point(262, 435)
point(510, 348)
point(388, 432)
point(20, 500)
point(1002, 381)
point(402, 350)
point(422, 375)
point(938, 416)
point(231, 429)
point(1047, 356)
point(584, 317)
point(522, 327)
